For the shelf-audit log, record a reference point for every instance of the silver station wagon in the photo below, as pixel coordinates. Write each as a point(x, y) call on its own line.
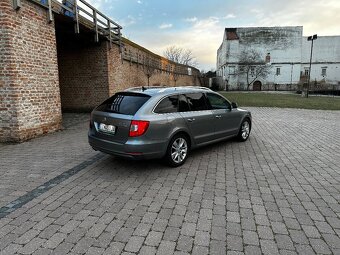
point(165, 122)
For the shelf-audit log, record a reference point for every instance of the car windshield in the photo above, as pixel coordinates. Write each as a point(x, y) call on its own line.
point(124, 103)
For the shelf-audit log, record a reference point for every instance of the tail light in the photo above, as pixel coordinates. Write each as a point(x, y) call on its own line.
point(138, 127)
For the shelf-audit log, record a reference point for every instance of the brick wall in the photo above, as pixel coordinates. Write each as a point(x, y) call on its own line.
point(83, 76)
point(128, 70)
point(29, 86)
point(89, 73)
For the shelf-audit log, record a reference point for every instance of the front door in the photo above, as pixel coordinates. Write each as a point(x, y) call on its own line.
point(257, 86)
point(226, 120)
point(194, 110)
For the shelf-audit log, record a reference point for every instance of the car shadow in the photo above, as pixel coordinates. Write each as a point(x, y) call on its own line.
point(125, 166)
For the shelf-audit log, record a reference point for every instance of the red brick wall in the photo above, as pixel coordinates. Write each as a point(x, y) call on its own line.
point(127, 73)
point(83, 76)
point(29, 86)
point(90, 73)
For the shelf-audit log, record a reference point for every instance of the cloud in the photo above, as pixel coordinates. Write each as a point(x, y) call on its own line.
point(128, 21)
point(314, 16)
point(165, 26)
point(203, 37)
point(139, 2)
point(230, 16)
point(99, 4)
point(193, 19)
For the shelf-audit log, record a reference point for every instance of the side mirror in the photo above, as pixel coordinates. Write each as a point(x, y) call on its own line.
point(233, 105)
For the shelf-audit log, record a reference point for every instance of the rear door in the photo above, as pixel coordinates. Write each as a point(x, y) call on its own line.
point(194, 109)
point(111, 120)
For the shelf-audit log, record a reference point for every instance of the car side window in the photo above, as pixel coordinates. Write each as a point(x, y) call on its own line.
point(183, 104)
point(197, 102)
point(167, 105)
point(217, 102)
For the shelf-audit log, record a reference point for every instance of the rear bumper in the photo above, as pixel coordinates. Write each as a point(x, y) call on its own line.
point(132, 149)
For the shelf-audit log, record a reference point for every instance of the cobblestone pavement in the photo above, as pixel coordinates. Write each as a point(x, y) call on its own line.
point(277, 193)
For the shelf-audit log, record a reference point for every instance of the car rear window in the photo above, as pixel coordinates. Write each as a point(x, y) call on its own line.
point(124, 103)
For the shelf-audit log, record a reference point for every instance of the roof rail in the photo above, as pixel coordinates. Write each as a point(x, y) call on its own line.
point(145, 88)
point(198, 87)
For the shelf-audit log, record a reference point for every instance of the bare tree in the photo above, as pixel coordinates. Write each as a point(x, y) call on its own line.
point(149, 67)
point(180, 55)
point(253, 66)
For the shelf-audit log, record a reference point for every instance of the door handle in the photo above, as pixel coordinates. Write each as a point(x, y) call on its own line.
point(191, 120)
point(218, 116)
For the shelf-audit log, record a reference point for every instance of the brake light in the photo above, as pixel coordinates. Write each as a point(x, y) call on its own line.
point(138, 127)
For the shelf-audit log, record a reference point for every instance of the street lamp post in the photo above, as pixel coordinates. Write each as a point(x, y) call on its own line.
point(310, 38)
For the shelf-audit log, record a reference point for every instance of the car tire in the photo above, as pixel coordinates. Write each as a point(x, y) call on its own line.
point(178, 150)
point(244, 131)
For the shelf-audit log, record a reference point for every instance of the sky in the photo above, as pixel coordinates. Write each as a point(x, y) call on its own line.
point(198, 25)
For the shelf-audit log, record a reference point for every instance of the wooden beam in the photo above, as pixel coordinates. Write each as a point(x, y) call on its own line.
point(76, 25)
point(50, 14)
point(16, 4)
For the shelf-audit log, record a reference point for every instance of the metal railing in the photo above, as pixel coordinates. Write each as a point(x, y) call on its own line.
point(82, 13)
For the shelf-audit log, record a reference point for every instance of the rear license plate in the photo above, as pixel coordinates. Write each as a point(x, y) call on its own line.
point(107, 128)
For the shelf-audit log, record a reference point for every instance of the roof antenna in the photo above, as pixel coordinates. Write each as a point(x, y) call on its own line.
point(143, 88)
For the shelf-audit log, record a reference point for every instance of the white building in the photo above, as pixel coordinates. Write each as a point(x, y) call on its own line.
point(286, 54)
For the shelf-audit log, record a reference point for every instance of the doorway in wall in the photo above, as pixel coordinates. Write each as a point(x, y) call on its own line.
point(257, 85)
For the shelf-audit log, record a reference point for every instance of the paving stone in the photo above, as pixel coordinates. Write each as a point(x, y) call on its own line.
point(269, 247)
point(153, 238)
point(134, 244)
point(11, 249)
point(171, 234)
point(217, 247)
point(304, 249)
point(83, 245)
point(32, 246)
point(147, 250)
point(320, 246)
point(279, 228)
point(202, 238)
point(55, 240)
point(166, 248)
point(204, 224)
point(95, 251)
point(27, 237)
point(298, 236)
point(284, 242)
point(310, 231)
point(233, 217)
point(200, 250)
point(188, 229)
point(273, 193)
point(252, 250)
point(218, 233)
point(184, 243)
point(123, 235)
point(250, 237)
point(234, 243)
point(265, 232)
point(114, 248)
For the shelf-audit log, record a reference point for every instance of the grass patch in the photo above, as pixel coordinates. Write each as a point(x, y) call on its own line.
point(283, 100)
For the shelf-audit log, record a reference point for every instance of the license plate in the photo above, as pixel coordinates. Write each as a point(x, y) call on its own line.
point(107, 128)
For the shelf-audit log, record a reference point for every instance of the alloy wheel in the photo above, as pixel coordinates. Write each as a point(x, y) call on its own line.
point(179, 150)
